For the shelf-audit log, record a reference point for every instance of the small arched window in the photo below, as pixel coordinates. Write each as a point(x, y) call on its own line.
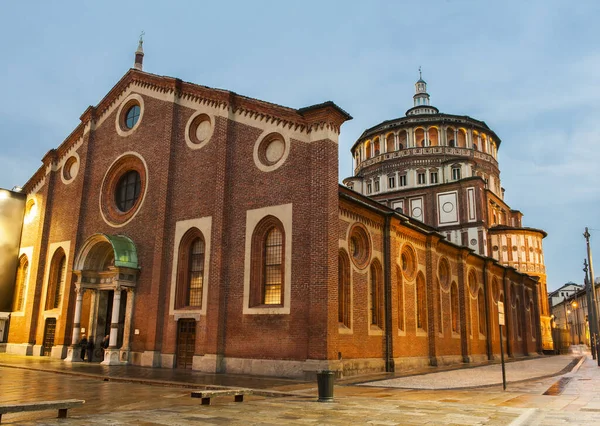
point(58, 269)
point(481, 311)
point(190, 270)
point(268, 254)
point(376, 295)
point(519, 314)
point(344, 288)
point(400, 298)
point(421, 303)
point(454, 307)
point(20, 283)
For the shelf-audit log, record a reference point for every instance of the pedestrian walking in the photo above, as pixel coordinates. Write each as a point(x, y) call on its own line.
point(83, 346)
point(90, 348)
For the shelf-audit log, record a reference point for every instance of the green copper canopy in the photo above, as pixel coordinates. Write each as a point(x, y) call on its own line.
point(125, 251)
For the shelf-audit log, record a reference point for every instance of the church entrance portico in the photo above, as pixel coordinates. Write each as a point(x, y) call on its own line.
point(106, 271)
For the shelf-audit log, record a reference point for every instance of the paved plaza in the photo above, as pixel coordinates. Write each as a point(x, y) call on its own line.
point(143, 396)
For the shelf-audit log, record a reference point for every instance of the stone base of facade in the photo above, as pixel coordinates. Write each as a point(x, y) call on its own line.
point(2, 347)
point(59, 351)
point(113, 357)
point(73, 354)
point(145, 359)
point(449, 360)
point(25, 349)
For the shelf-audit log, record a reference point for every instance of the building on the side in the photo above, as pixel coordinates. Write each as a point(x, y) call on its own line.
point(206, 230)
point(563, 292)
point(442, 169)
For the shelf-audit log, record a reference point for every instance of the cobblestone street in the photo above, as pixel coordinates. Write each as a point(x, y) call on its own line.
point(154, 403)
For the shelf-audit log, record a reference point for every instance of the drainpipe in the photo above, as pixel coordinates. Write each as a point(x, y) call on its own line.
point(387, 285)
point(488, 326)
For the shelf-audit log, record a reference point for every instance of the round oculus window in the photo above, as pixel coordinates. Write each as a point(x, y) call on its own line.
point(123, 189)
point(132, 116)
point(271, 152)
point(359, 246)
point(128, 190)
point(408, 260)
point(70, 169)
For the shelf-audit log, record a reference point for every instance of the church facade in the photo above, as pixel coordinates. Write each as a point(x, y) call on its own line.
point(202, 229)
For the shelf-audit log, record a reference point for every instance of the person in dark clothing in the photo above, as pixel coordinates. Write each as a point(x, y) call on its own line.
point(90, 348)
point(83, 346)
point(105, 343)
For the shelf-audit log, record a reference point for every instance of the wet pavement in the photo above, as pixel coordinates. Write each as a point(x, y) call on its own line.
point(129, 400)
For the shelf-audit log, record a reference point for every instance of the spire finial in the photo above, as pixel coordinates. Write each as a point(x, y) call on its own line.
point(420, 77)
point(139, 53)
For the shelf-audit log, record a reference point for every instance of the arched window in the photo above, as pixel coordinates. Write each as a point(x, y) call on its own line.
point(376, 295)
point(420, 137)
point(368, 149)
point(376, 148)
point(20, 283)
point(344, 288)
point(518, 309)
point(461, 140)
point(421, 303)
point(58, 269)
point(400, 298)
point(439, 308)
point(190, 270)
point(390, 142)
point(268, 254)
point(481, 311)
point(433, 136)
point(531, 319)
point(454, 307)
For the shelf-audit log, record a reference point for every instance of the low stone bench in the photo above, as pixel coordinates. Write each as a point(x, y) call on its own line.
point(61, 406)
point(206, 395)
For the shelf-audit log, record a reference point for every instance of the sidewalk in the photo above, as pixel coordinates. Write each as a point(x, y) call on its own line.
point(126, 399)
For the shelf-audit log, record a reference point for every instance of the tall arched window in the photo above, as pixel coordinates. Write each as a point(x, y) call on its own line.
point(344, 288)
point(58, 269)
point(268, 254)
point(454, 307)
point(439, 308)
point(20, 283)
point(190, 270)
point(421, 303)
point(481, 311)
point(376, 295)
point(531, 319)
point(400, 298)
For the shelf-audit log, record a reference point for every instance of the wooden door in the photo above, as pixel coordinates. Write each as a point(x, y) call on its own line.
point(49, 331)
point(186, 342)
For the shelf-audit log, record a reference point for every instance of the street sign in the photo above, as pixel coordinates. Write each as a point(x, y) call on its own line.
point(501, 313)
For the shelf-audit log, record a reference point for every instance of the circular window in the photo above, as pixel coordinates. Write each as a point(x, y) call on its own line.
point(408, 259)
point(123, 189)
point(444, 273)
point(128, 190)
point(132, 116)
point(359, 246)
point(495, 248)
point(270, 152)
point(199, 130)
point(70, 169)
point(473, 285)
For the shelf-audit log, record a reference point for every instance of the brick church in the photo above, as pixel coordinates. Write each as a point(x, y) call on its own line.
point(201, 229)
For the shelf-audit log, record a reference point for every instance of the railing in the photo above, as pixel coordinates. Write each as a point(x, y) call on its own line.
point(425, 151)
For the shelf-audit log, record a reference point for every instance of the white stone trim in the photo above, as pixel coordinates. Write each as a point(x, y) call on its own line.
point(66, 246)
point(191, 144)
point(263, 167)
point(253, 217)
point(254, 120)
point(204, 225)
point(27, 251)
point(121, 131)
point(119, 225)
point(62, 166)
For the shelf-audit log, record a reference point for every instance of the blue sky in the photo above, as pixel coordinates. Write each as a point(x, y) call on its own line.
point(530, 70)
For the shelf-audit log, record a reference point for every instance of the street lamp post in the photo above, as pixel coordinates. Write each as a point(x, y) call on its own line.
point(575, 305)
point(593, 291)
point(590, 309)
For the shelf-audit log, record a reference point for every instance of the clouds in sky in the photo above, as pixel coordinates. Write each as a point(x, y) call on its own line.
point(530, 70)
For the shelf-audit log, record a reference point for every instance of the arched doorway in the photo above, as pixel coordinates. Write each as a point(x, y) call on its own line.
point(106, 270)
